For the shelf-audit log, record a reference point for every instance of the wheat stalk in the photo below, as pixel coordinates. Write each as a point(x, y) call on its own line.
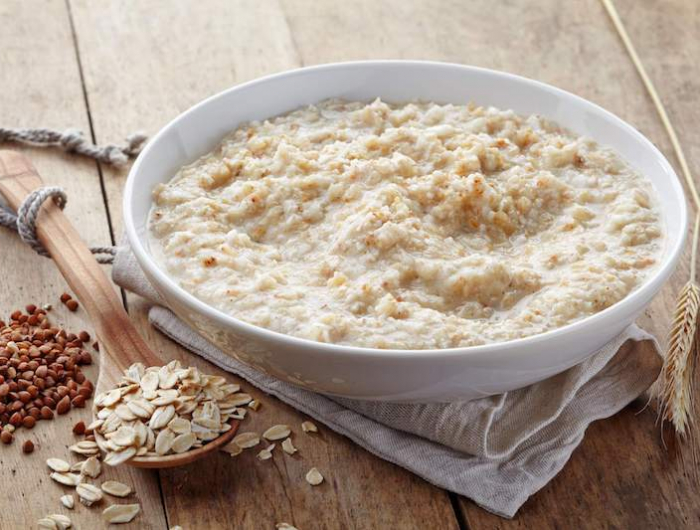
point(677, 388)
point(677, 395)
point(677, 372)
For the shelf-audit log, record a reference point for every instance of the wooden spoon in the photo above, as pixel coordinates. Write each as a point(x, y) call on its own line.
point(121, 343)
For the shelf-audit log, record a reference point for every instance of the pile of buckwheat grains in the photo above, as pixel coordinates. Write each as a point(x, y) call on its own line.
point(40, 371)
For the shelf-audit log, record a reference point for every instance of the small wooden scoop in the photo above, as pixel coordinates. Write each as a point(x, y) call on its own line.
point(121, 343)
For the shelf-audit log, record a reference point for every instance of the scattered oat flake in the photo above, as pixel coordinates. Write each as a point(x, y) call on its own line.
point(114, 459)
point(255, 404)
point(63, 522)
point(277, 432)
point(46, 524)
point(232, 448)
point(56, 464)
point(246, 440)
point(88, 494)
point(314, 477)
point(308, 426)
point(266, 453)
point(285, 526)
point(288, 447)
point(116, 489)
point(82, 450)
point(91, 467)
point(68, 501)
point(67, 479)
point(120, 513)
point(238, 400)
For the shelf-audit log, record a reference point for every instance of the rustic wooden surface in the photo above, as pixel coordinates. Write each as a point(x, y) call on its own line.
point(112, 67)
point(42, 79)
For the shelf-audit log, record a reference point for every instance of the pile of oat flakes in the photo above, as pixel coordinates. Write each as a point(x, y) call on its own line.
point(157, 411)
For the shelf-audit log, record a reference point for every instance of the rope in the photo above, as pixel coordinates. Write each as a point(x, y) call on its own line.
point(24, 222)
point(73, 141)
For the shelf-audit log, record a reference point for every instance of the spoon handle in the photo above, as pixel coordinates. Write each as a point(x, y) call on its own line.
point(122, 344)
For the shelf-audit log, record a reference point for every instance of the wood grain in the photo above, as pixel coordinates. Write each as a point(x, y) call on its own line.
point(41, 86)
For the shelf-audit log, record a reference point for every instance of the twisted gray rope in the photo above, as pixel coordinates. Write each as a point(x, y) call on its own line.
point(73, 141)
point(24, 222)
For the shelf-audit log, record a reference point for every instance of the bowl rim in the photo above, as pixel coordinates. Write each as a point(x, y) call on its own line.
point(645, 290)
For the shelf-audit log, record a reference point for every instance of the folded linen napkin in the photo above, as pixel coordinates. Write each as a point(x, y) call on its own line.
point(497, 451)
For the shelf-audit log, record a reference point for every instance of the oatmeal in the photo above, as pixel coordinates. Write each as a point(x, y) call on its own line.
point(407, 226)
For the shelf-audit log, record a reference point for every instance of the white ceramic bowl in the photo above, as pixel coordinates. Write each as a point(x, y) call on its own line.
point(397, 375)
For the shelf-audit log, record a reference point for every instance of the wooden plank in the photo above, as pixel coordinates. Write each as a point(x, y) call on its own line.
point(163, 68)
point(42, 87)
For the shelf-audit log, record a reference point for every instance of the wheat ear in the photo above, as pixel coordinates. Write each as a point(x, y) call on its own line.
point(677, 372)
point(676, 397)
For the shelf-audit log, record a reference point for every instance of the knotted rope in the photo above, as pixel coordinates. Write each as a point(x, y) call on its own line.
point(24, 222)
point(73, 141)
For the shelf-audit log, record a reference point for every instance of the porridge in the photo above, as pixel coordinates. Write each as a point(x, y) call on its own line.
point(407, 226)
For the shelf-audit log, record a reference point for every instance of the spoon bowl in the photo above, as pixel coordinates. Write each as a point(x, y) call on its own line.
point(122, 345)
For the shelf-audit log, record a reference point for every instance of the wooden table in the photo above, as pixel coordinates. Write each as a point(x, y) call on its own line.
point(112, 67)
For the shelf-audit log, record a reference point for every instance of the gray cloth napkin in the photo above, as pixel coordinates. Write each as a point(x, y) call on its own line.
point(497, 451)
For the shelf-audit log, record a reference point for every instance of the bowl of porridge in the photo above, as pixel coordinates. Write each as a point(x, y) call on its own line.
point(404, 231)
